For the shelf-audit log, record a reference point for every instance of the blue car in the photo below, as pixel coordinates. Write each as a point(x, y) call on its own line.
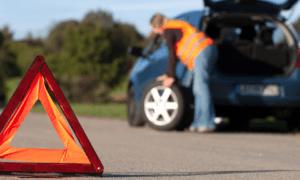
point(257, 73)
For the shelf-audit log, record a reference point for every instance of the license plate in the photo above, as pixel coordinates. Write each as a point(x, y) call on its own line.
point(259, 90)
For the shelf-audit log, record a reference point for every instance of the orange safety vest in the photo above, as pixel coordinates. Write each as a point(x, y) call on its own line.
point(191, 43)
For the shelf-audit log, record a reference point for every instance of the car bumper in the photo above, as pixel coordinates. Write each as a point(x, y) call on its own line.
point(227, 91)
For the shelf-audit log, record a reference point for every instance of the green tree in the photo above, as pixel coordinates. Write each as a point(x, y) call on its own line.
point(7, 34)
point(54, 41)
point(89, 48)
point(122, 36)
point(84, 48)
point(88, 58)
point(297, 25)
point(99, 18)
point(84, 67)
point(8, 64)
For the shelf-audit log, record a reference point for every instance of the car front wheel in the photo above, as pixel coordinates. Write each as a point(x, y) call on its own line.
point(163, 108)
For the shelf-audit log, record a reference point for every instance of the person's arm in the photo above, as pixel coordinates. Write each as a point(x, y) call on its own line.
point(172, 36)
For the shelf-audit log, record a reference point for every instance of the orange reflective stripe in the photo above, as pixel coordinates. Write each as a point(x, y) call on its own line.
point(205, 43)
point(187, 43)
point(193, 49)
point(187, 51)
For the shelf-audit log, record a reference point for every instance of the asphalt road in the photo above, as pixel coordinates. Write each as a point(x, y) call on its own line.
point(143, 153)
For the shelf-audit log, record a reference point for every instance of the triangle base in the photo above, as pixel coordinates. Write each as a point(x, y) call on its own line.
point(46, 168)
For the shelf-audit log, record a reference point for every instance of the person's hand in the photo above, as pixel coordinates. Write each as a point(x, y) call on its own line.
point(161, 78)
point(166, 81)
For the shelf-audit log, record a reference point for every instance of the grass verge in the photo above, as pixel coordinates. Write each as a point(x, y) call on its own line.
point(12, 85)
point(113, 110)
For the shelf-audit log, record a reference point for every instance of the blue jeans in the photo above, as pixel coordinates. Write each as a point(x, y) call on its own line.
point(204, 114)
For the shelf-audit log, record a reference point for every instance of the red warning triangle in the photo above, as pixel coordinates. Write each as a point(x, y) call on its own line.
point(69, 160)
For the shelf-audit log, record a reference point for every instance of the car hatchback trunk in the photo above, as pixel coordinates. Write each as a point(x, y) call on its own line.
point(252, 44)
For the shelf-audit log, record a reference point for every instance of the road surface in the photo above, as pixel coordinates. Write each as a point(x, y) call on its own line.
point(143, 153)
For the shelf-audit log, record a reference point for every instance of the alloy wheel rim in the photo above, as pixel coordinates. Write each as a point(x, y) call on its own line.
point(161, 105)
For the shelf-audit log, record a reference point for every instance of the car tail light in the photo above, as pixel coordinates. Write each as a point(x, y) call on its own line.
point(298, 63)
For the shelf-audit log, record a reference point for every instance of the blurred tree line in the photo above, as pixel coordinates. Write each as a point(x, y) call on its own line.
point(297, 26)
point(88, 58)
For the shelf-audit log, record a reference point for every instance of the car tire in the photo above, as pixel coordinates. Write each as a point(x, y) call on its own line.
point(164, 108)
point(133, 115)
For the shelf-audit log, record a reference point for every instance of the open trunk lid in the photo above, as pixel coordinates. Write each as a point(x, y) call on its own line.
point(258, 6)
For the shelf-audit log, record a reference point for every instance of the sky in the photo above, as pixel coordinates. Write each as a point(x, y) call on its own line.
point(39, 16)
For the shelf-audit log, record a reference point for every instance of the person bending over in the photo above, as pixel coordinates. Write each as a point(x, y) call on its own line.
point(199, 54)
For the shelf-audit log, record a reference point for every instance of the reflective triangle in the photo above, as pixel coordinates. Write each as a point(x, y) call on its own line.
point(31, 89)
